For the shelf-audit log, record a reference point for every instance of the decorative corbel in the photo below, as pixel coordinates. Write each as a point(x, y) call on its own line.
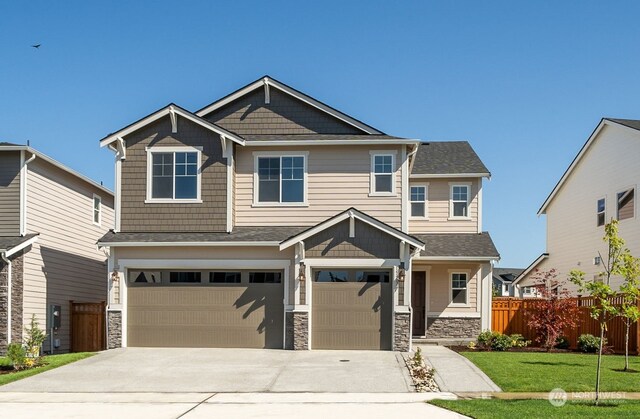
point(267, 96)
point(352, 225)
point(121, 147)
point(174, 120)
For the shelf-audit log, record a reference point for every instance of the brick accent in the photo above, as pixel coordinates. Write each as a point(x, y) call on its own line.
point(297, 333)
point(402, 332)
point(17, 292)
point(369, 242)
point(453, 327)
point(114, 327)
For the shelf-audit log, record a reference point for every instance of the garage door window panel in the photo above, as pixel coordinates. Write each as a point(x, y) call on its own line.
point(265, 277)
point(185, 277)
point(225, 277)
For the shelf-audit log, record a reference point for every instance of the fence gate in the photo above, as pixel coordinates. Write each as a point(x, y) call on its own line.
point(88, 329)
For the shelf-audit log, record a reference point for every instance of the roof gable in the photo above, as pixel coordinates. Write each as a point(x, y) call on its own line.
point(268, 106)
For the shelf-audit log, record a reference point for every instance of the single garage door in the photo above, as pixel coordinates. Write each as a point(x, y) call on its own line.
point(205, 309)
point(351, 309)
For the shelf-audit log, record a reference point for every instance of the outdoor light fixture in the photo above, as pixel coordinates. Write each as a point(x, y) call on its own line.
point(114, 276)
point(401, 275)
point(301, 276)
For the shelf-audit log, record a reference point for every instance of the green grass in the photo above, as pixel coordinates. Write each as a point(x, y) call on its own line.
point(50, 362)
point(523, 409)
point(541, 372)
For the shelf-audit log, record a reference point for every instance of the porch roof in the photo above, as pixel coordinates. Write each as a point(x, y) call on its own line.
point(458, 246)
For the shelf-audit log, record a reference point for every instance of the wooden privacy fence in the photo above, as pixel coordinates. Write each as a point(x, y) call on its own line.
point(508, 315)
point(88, 329)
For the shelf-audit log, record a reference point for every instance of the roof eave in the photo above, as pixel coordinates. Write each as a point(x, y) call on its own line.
point(449, 175)
point(183, 244)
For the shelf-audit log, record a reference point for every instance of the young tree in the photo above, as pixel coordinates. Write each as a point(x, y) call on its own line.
point(628, 310)
point(553, 312)
point(603, 309)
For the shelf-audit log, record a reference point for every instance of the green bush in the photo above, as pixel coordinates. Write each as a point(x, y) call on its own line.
point(485, 338)
point(496, 341)
point(17, 356)
point(518, 341)
point(562, 343)
point(589, 343)
point(501, 342)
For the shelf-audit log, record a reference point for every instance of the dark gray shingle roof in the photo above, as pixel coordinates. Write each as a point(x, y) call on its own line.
point(239, 234)
point(458, 245)
point(507, 274)
point(323, 137)
point(9, 242)
point(6, 144)
point(632, 123)
point(447, 157)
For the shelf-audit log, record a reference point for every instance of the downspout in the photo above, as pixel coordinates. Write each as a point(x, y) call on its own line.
point(3, 256)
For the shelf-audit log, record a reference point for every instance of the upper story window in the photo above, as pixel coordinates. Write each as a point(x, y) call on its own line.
point(419, 201)
point(625, 204)
point(459, 294)
point(382, 173)
point(97, 210)
point(173, 174)
point(600, 212)
point(459, 204)
point(280, 179)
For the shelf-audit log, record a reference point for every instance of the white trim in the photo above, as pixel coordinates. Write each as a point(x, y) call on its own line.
point(93, 210)
point(280, 154)
point(267, 93)
point(604, 213)
point(424, 217)
point(352, 225)
point(449, 175)
point(457, 258)
point(16, 249)
point(360, 216)
point(529, 268)
point(23, 196)
point(181, 149)
point(459, 314)
point(163, 112)
point(298, 95)
point(5, 259)
point(195, 244)
point(351, 263)
point(174, 120)
point(405, 189)
point(355, 141)
point(486, 309)
point(480, 205)
point(459, 184)
point(118, 195)
point(451, 272)
point(372, 174)
point(230, 185)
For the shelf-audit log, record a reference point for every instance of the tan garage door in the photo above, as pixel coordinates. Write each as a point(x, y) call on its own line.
point(213, 315)
point(350, 315)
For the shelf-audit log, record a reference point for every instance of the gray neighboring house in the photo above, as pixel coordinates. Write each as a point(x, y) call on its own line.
point(503, 281)
point(50, 220)
point(269, 219)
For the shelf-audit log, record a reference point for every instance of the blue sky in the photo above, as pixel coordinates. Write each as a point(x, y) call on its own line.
point(524, 82)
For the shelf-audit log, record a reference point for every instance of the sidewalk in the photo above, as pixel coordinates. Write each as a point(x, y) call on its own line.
point(455, 373)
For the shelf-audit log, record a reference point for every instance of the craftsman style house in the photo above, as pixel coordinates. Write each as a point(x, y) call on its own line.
point(268, 219)
point(50, 219)
point(599, 185)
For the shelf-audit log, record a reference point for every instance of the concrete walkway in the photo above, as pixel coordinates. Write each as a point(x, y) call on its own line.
point(455, 373)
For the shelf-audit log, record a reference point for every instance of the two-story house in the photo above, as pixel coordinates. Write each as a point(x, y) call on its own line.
point(50, 219)
point(269, 219)
point(599, 185)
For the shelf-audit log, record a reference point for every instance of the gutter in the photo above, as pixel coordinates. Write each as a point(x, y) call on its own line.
point(3, 256)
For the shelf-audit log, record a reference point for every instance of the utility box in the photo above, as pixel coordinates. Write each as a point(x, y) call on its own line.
point(55, 316)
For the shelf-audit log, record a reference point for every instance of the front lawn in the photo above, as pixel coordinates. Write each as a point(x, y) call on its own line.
point(541, 372)
point(50, 362)
point(523, 409)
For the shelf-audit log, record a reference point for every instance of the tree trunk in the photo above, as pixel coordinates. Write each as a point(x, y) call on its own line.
point(626, 347)
point(602, 326)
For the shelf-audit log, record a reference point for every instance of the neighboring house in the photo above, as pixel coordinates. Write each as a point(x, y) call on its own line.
point(503, 281)
point(600, 184)
point(269, 219)
point(50, 219)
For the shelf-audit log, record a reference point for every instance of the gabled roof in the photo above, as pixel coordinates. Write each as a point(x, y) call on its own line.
point(271, 82)
point(506, 275)
point(171, 108)
point(458, 246)
point(628, 123)
point(448, 158)
point(352, 213)
point(531, 267)
point(13, 244)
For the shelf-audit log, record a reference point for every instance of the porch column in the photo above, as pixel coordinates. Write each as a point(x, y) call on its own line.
point(297, 311)
point(402, 300)
point(485, 303)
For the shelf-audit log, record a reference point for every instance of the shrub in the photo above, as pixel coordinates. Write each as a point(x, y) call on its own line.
point(17, 356)
point(589, 343)
point(501, 342)
point(518, 341)
point(496, 341)
point(484, 339)
point(562, 343)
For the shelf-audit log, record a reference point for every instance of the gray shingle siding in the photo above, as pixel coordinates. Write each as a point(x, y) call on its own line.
point(448, 157)
point(283, 115)
point(9, 192)
point(210, 215)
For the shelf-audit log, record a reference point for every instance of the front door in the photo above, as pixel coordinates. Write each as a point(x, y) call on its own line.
point(418, 302)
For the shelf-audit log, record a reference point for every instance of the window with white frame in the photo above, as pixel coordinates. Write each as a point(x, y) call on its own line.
point(382, 174)
point(459, 201)
point(280, 179)
point(459, 288)
point(174, 175)
point(600, 212)
point(97, 210)
point(625, 204)
point(419, 201)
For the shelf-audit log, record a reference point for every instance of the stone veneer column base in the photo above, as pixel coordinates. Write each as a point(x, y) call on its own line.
point(402, 332)
point(114, 327)
point(17, 292)
point(297, 332)
point(453, 327)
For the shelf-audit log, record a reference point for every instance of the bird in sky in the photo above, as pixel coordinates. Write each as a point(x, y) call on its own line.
point(36, 46)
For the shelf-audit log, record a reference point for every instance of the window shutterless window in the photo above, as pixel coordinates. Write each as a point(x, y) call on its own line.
point(281, 179)
point(600, 212)
point(460, 201)
point(418, 201)
point(459, 288)
point(625, 204)
point(97, 210)
point(224, 277)
point(382, 173)
point(174, 174)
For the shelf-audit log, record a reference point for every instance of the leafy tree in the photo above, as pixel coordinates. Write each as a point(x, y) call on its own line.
point(603, 309)
point(34, 339)
point(555, 311)
point(628, 310)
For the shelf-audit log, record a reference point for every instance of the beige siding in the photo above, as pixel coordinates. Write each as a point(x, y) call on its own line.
point(438, 208)
point(573, 239)
point(438, 287)
point(64, 264)
point(9, 193)
point(338, 178)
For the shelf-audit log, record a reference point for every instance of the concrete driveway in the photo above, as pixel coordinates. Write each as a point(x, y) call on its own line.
point(195, 370)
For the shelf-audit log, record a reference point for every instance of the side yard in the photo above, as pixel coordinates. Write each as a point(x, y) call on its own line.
point(8, 374)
